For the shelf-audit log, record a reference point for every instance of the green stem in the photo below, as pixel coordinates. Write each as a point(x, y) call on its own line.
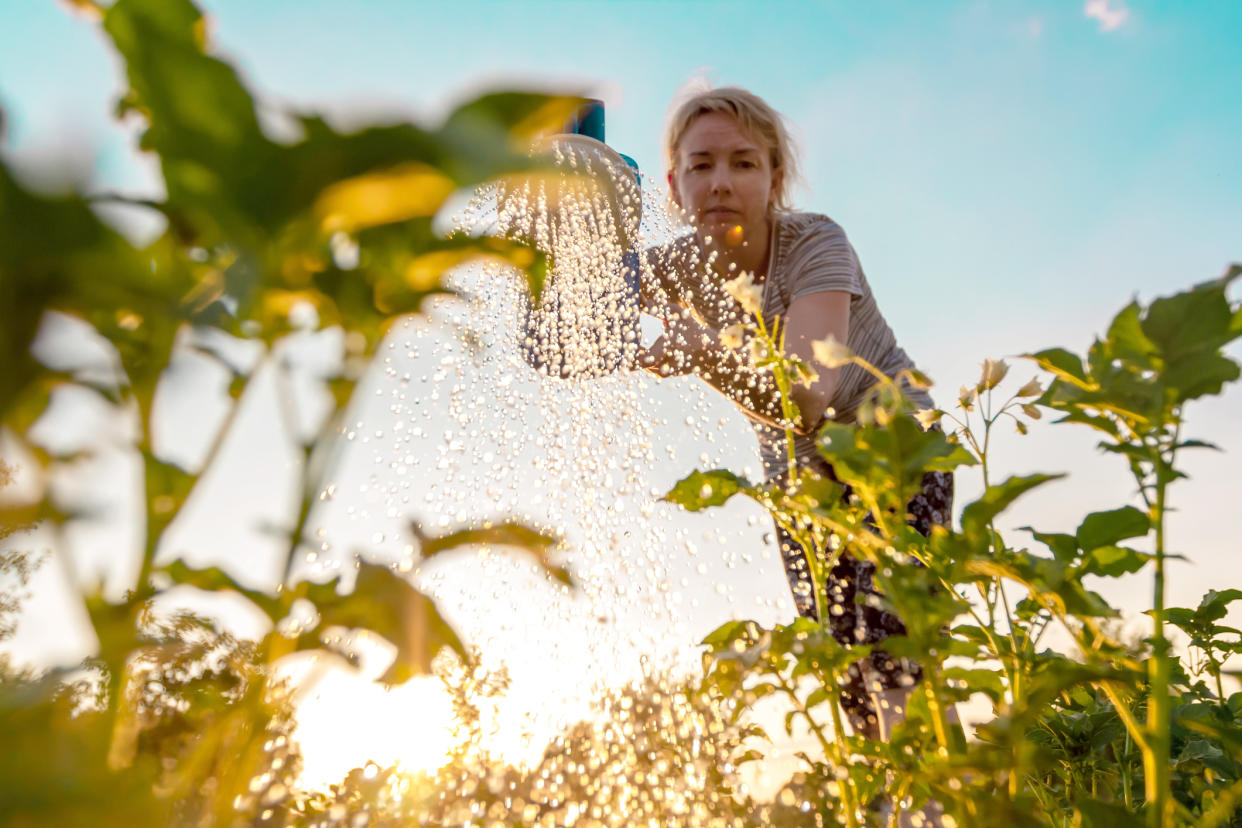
point(832, 749)
point(1160, 810)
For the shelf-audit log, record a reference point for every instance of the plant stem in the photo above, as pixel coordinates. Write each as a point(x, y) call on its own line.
point(1160, 811)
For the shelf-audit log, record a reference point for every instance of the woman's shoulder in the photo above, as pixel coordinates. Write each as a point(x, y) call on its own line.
point(806, 226)
point(805, 237)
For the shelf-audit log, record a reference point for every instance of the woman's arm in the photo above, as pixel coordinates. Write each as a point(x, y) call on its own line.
point(689, 346)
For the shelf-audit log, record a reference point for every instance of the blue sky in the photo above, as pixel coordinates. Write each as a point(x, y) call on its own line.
point(964, 146)
point(1009, 172)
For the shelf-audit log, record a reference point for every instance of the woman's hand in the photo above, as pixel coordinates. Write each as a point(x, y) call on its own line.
point(679, 349)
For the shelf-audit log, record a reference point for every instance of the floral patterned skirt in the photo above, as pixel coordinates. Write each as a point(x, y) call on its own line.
point(855, 620)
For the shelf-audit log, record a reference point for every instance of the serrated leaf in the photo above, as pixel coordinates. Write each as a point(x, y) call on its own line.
point(978, 515)
point(1064, 547)
point(1113, 561)
point(1214, 604)
point(1107, 528)
point(1193, 320)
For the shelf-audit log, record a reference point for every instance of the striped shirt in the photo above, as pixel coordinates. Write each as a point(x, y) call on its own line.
point(809, 253)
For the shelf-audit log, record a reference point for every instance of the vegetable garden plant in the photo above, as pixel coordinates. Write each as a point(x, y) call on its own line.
point(175, 721)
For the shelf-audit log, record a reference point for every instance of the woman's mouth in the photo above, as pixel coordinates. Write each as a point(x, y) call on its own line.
point(719, 214)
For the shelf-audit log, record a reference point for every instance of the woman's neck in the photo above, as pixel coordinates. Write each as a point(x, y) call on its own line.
point(748, 253)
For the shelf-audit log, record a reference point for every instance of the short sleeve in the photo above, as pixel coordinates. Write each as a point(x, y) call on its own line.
point(821, 259)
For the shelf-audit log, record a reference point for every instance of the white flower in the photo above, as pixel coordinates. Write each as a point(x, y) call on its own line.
point(746, 292)
point(731, 337)
point(965, 398)
point(928, 417)
point(1031, 389)
point(830, 352)
point(994, 371)
point(758, 351)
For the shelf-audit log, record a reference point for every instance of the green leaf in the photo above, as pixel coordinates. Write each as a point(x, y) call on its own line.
point(988, 682)
point(1198, 750)
point(1063, 364)
point(386, 604)
point(214, 579)
point(1198, 374)
point(1077, 415)
point(818, 697)
point(977, 516)
point(1198, 444)
point(1094, 813)
point(1194, 320)
point(701, 490)
point(729, 632)
point(1113, 561)
point(1064, 547)
point(1126, 338)
point(1106, 528)
point(931, 450)
point(1228, 735)
point(503, 534)
point(1214, 604)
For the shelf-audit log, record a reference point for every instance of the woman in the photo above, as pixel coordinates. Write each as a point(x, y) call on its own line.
point(730, 167)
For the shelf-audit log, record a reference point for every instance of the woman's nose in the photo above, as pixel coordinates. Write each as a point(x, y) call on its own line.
point(721, 182)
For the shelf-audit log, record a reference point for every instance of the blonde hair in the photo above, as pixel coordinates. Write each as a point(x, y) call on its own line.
point(756, 118)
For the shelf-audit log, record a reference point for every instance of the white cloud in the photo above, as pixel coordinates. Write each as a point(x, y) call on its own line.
point(1112, 14)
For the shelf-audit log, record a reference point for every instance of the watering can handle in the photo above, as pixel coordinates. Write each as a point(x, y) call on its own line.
point(587, 119)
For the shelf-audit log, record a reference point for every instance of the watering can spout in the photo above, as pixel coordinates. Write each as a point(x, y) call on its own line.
point(586, 217)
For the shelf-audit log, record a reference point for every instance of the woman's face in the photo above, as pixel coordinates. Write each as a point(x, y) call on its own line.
point(723, 179)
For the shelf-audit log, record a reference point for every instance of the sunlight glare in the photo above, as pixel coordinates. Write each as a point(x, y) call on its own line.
point(348, 721)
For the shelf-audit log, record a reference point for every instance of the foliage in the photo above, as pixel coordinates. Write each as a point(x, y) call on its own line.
point(177, 722)
point(1069, 744)
point(174, 721)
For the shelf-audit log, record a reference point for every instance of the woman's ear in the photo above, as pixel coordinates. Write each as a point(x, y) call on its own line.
point(778, 179)
point(672, 188)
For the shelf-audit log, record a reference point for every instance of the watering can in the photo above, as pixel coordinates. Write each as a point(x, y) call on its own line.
point(585, 214)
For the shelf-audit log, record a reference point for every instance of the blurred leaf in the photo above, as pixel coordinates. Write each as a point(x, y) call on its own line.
point(1064, 547)
point(1191, 321)
point(386, 604)
point(1214, 604)
point(1090, 813)
point(702, 490)
point(504, 534)
point(1064, 364)
point(977, 516)
point(1126, 337)
point(1113, 561)
point(214, 579)
point(409, 190)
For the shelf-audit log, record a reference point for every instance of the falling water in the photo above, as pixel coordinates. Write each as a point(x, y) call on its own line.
point(496, 407)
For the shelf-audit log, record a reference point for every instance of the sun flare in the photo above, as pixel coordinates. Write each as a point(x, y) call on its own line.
point(348, 720)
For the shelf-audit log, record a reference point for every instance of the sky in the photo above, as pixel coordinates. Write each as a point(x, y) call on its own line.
point(1010, 173)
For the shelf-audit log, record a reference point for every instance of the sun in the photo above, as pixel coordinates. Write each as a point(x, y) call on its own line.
point(347, 720)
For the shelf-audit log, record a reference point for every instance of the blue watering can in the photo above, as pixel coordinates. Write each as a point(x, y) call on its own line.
point(585, 324)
